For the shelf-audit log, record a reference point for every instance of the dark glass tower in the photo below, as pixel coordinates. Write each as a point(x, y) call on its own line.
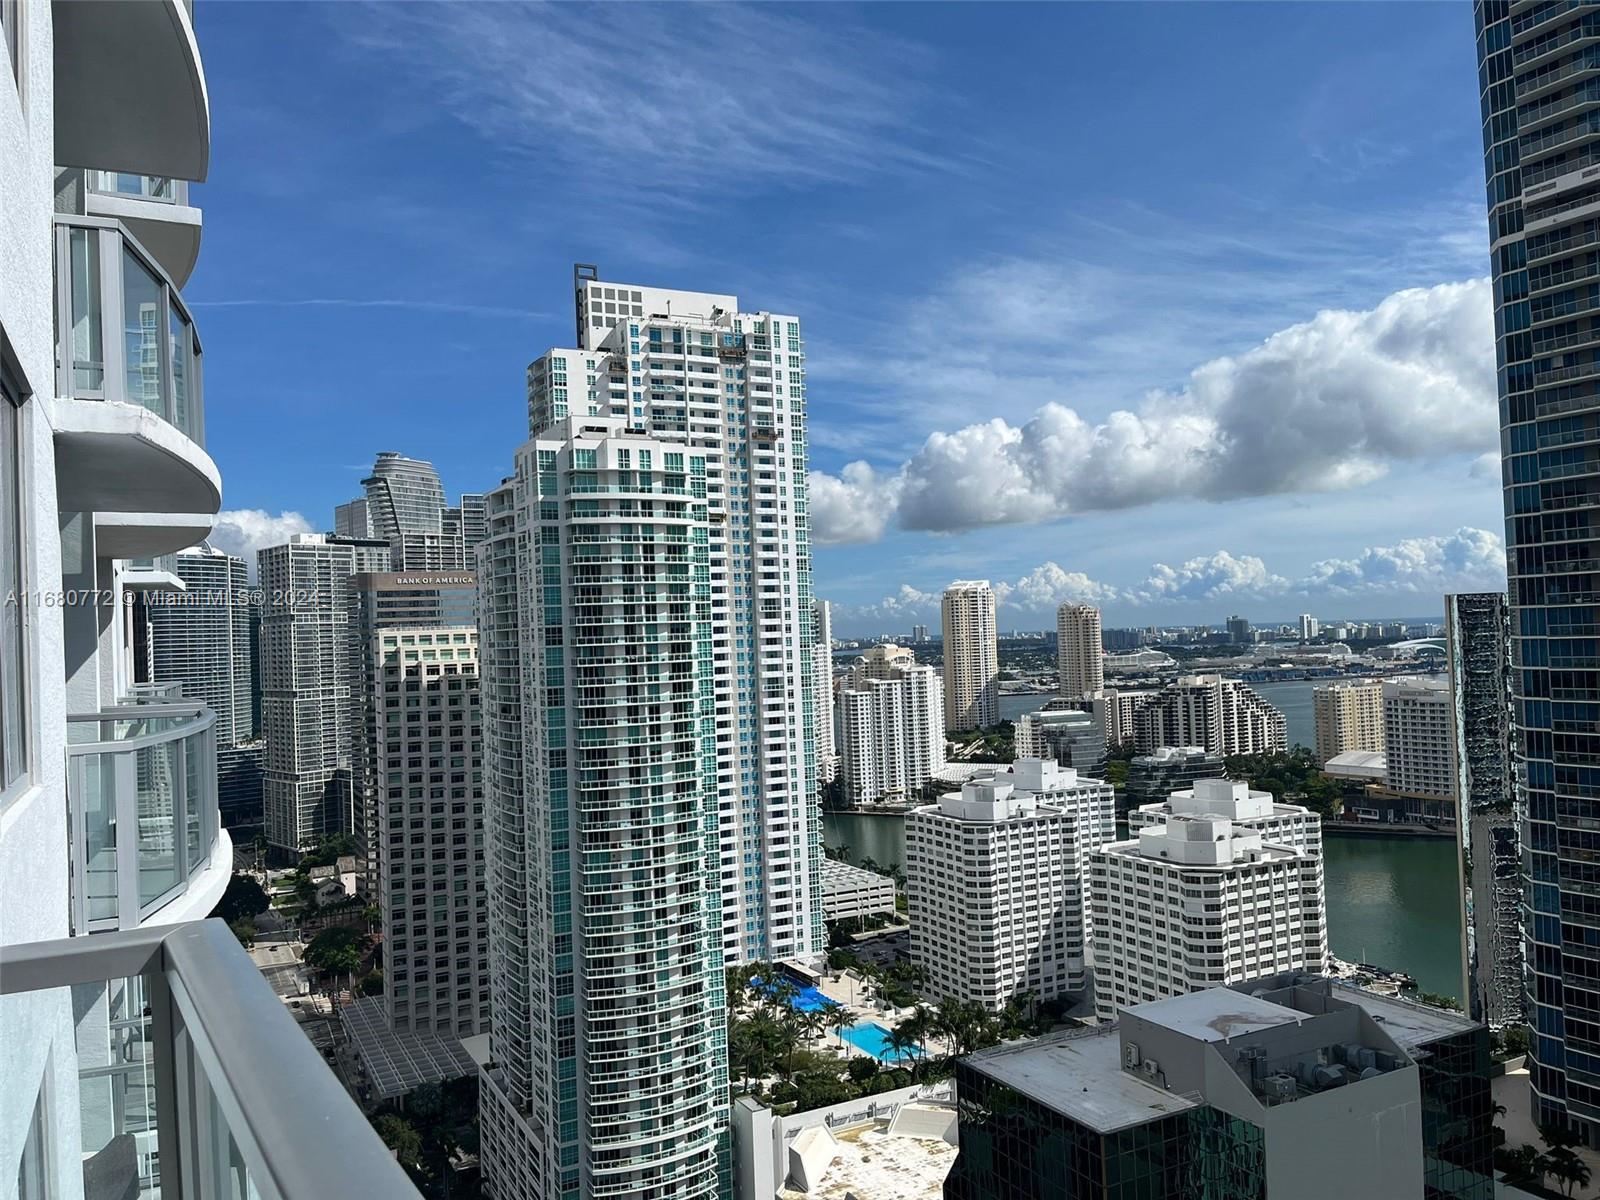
point(1539, 74)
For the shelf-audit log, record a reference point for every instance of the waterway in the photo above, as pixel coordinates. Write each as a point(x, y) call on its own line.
point(1391, 901)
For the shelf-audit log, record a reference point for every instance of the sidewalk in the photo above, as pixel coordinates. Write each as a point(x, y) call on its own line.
point(1511, 1091)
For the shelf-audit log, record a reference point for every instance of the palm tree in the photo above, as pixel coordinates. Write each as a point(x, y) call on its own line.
point(902, 1045)
point(1526, 1165)
point(838, 1019)
point(1567, 1169)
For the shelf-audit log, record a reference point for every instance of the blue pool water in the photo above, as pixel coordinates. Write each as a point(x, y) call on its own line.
point(806, 1000)
point(874, 1039)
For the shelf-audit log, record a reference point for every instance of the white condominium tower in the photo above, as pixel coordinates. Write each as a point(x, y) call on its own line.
point(971, 656)
point(822, 693)
point(306, 710)
point(1078, 650)
point(429, 834)
point(1349, 716)
point(1195, 903)
point(1280, 824)
point(200, 638)
point(732, 385)
point(1221, 715)
point(891, 726)
point(995, 882)
point(1419, 758)
point(607, 1069)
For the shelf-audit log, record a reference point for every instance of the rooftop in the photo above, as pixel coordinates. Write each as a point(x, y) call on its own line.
point(1217, 1014)
point(873, 1163)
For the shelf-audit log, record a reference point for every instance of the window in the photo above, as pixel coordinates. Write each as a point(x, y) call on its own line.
point(11, 35)
point(33, 1171)
point(13, 707)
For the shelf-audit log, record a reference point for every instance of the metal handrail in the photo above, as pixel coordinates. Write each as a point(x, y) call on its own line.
point(219, 1027)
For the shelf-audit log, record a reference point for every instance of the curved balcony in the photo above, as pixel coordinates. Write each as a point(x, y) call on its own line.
point(155, 209)
point(147, 847)
point(129, 416)
point(130, 92)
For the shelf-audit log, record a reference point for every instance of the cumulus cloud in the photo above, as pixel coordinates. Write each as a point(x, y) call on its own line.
point(1467, 560)
point(1321, 406)
point(243, 531)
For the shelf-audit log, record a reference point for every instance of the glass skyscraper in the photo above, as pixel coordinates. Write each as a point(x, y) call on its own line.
point(1539, 77)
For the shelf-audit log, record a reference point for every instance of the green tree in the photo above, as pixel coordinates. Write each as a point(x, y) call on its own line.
point(1525, 1165)
point(402, 1137)
point(245, 930)
point(1567, 1169)
point(243, 898)
point(336, 952)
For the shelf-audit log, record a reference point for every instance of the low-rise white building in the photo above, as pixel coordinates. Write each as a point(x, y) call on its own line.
point(1196, 903)
point(994, 881)
point(851, 892)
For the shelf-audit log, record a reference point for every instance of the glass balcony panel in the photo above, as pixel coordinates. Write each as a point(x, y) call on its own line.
point(144, 187)
point(100, 837)
point(88, 349)
point(180, 340)
point(160, 810)
point(193, 816)
point(142, 309)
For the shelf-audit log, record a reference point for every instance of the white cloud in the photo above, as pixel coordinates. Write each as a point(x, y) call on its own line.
point(243, 531)
point(1467, 560)
point(1486, 466)
point(1321, 406)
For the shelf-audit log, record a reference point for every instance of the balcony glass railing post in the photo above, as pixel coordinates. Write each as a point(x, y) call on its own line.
point(193, 1080)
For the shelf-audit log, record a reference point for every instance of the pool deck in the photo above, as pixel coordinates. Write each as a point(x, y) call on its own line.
point(854, 995)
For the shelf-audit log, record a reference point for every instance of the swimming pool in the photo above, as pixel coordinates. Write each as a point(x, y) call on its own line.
point(806, 1000)
point(874, 1039)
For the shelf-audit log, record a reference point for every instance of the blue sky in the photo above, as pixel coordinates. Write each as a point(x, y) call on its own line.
point(1177, 308)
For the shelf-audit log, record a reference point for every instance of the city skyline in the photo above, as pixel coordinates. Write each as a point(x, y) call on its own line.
point(1371, 509)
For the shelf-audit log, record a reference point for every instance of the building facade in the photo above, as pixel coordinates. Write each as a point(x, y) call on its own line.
point(306, 709)
point(602, 779)
point(995, 883)
point(822, 693)
point(200, 638)
point(1071, 737)
point(1279, 824)
point(1419, 758)
point(971, 656)
point(1223, 716)
point(891, 727)
point(1155, 776)
point(1195, 903)
point(1478, 650)
point(850, 892)
point(1078, 650)
point(1538, 113)
point(1348, 716)
point(1283, 1086)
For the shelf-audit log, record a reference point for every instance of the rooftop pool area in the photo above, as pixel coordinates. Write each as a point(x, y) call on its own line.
point(806, 999)
point(874, 1039)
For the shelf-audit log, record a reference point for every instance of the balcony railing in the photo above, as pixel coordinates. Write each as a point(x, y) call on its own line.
point(193, 1080)
point(142, 790)
point(123, 330)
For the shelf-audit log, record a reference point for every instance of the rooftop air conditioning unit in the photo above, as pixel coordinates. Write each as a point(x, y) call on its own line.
point(1151, 1068)
point(1130, 1056)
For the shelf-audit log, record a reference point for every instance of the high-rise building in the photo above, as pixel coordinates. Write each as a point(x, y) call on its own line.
point(1310, 627)
point(404, 495)
point(138, 1044)
point(353, 519)
point(1348, 716)
point(971, 656)
point(673, 362)
point(891, 727)
point(1263, 906)
point(919, 634)
point(1072, 737)
point(995, 882)
point(822, 693)
point(474, 524)
point(200, 638)
point(1155, 776)
point(1238, 629)
point(1290, 825)
point(1478, 650)
point(404, 506)
point(1419, 759)
point(307, 714)
point(1078, 650)
point(1225, 1093)
point(606, 1072)
point(1222, 716)
point(428, 830)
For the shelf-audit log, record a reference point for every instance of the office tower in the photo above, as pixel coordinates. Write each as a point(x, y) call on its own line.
point(1287, 1086)
point(404, 506)
point(428, 835)
point(1348, 716)
point(1078, 652)
point(1263, 904)
point(971, 656)
point(110, 841)
point(1310, 627)
point(995, 883)
point(1071, 737)
point(1419, 762)
point(1222, 716)
point(1478, 649)
point(1155, 776)
point(733, 381)
point(919, 634)
point(381, 600)
point(891, 727)
point(241, 788)
point(200, 638)
point(353, 519)
point(1279, 824)
point(602, 777)
point(305, 683)
point(822, 692)
point(1238, 630)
